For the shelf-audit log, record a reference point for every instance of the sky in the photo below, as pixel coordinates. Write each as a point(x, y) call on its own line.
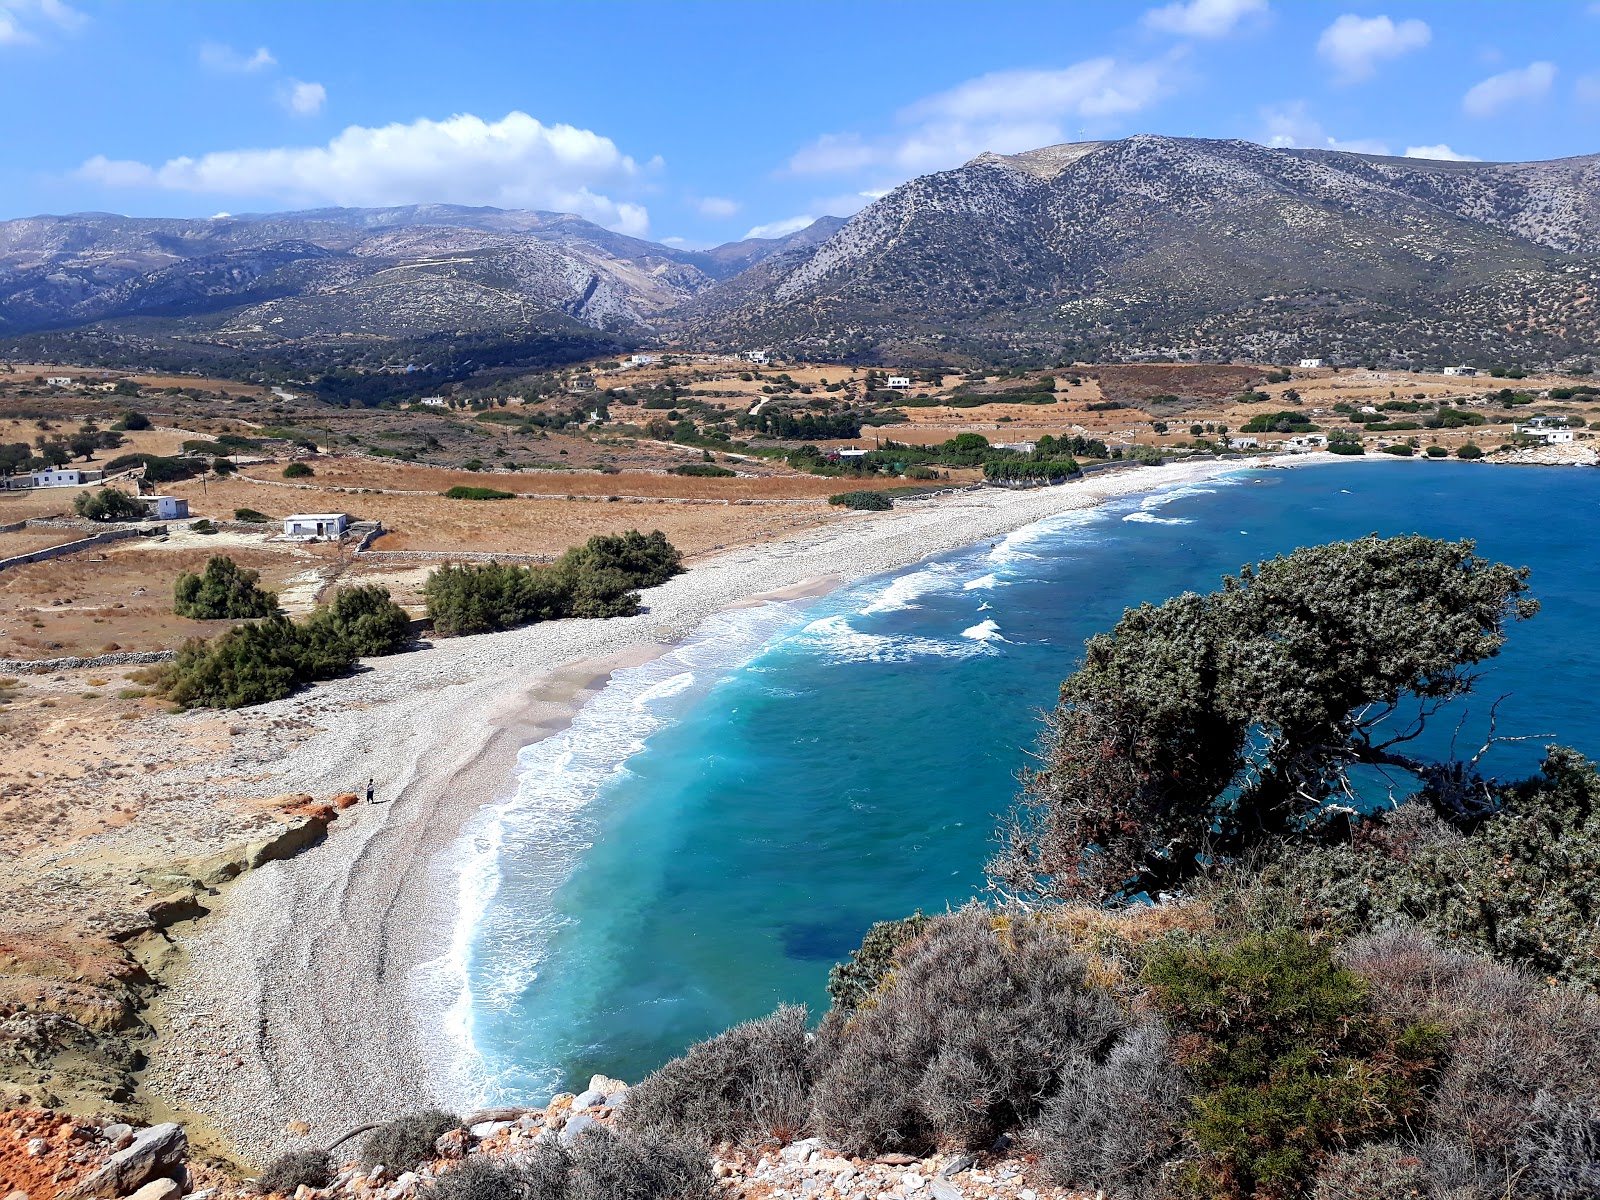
point(701, 123)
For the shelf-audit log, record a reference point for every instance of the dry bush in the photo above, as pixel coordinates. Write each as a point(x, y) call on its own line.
point(284, 1174)
point(1113, 1124)
point(606, 1166)
point(750, 1082)
point(973, 1032)
point(1522, 1073)
point(1376, 1171)
point(406, 1141)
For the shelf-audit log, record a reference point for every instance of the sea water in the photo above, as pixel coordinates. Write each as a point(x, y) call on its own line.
point(720, 826)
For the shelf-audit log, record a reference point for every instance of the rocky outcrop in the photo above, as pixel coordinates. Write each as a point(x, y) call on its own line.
point(154, 1153)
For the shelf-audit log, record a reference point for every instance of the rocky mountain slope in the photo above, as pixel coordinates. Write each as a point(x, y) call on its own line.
point(396, 272)
point(1187, 246)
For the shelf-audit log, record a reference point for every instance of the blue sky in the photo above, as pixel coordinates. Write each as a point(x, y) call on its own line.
point(698, 123)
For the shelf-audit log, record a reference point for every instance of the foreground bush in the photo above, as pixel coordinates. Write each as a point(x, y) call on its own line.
point(981, 1017)
point(268, 660)
point(1288, 1060)
point(406, 1141)
point(460, 492)
point(850, 984)
point(251, 515)
point(108, 504)
point(702, 470)
point(1114, 1124)
point(866, 501)
point(298, 470)
point(600, 1165)
point(750, 1083)
point(297, 1168)
point(597, 579)
point(223, 591)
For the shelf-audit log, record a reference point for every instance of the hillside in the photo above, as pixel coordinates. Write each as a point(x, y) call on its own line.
point(1157, 245)
point(328, 283)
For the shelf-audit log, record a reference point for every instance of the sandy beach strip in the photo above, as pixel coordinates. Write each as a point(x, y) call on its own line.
point(294, 1000)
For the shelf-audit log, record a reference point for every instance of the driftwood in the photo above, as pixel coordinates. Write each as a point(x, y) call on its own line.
point(339, 1141)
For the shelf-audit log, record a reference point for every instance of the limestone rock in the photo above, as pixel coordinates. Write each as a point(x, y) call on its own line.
point(606, 1085)
point(158, 1189)
point(588, 1099)
point(454, 1143)
point(154, 1152)
point(575, 1127)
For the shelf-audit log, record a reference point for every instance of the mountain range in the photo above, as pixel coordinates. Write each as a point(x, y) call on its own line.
point(1149, 245)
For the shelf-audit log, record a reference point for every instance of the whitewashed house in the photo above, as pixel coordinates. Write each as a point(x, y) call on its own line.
point(434, 401)
point(643, 360)
point(59, 380)
point(1310, 364)
point(1546, 430)
point(165, 508)
point(315, 525)
point(581, 383)
point(899, 382)
point(1308, 441)
point(759, 357)
point(851, 452)
point(281, 394)
point(1464, 372)
point(62, 477)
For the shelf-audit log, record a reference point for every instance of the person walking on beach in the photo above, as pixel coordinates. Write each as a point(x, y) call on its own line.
point(369, 789)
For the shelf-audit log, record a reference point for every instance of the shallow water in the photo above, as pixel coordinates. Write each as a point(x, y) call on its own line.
point(721, 825)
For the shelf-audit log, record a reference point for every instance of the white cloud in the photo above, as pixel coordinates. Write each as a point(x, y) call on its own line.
point(1531, 82)
point(515, 162)
point(1004, 111)
point(717, 206)
point(777, 229)
point(1355, 45)
point(220, 57)
point(1202, 18)
point(1292, 125)
point(1440, 153)
point(23, 22)
point(301, 98)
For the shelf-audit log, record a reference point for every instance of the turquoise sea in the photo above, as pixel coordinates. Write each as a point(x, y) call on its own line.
point(720, 826)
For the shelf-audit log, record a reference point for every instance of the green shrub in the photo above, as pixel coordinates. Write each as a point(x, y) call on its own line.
point(460, 492)
point(1438, 452)
point(224, 591)
point(108, 504)
point(866, 501)
point(250, 515)
point(158, 469)
point(1469, 451)
point(1522, 887)
point(647, 559)
point(268, 660)
point(751, 1083)
point(966, 1040)
point(1288, 1060)
point(703, 470)
point(134, 420)
point(203, 525)
point(406, 1141)
point(298, 470)
point(364, 619)
point(851, 983)
point(287, 1172)
point(1400, 449)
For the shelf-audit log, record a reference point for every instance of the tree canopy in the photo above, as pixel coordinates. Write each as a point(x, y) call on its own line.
point(1200, 729)
point(222, 591)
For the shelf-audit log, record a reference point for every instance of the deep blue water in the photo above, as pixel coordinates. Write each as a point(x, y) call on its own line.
point(720, 826)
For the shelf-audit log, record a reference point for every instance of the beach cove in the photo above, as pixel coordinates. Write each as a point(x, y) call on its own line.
point(295, 1002)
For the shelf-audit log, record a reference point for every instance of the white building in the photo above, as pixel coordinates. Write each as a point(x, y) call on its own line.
point(1308, 441)
point(852, 452)
point(581, 383)
point(1246, 442)
point(281, 394)
point(759, 357)
point(62, 477)
point(1368, 408)
point(59, 380)
point(900, 382)
point(315, 525)
point(1545, 431)
point(1310, 364)
point(643, 360)
point(1465, 372)
point(165, 508)
point(433, 401)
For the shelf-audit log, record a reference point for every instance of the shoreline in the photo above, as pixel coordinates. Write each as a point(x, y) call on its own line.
point(295, 1001)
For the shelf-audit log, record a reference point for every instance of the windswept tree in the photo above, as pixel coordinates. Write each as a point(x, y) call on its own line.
point(1201, 729)
point(223, 591)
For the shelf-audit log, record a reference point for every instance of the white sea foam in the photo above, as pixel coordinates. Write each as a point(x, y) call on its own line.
point(840, 642)
point(981, 583)
point(985, 631)
point(903, 592)
point(1148, 518)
